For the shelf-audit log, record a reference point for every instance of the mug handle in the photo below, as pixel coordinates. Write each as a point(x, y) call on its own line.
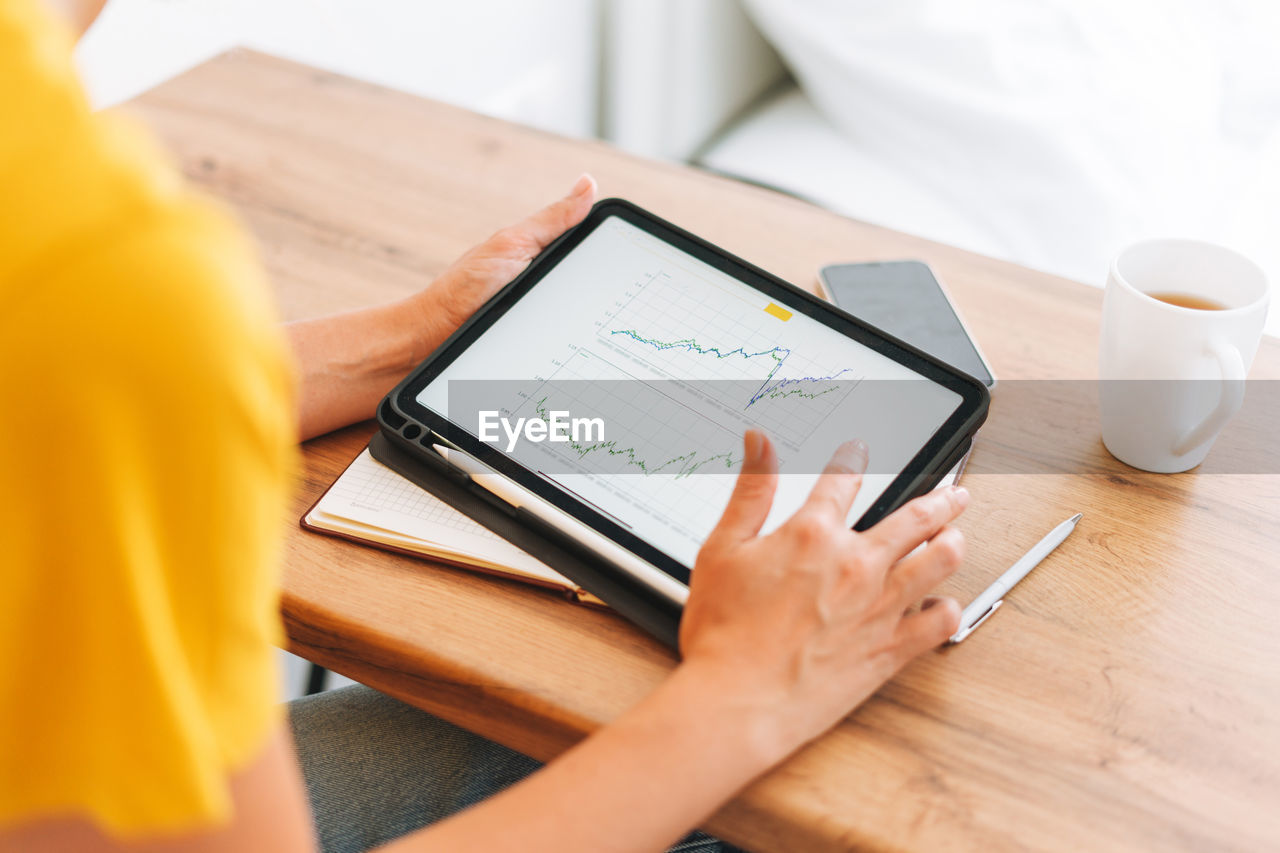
point(1232, 367)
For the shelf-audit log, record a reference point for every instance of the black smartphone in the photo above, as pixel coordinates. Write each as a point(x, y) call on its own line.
point(905, 299)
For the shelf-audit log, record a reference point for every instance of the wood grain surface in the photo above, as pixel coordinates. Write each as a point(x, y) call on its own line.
point(1127, 696)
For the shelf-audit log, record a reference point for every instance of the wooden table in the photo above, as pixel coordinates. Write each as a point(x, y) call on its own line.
point(1126, 697)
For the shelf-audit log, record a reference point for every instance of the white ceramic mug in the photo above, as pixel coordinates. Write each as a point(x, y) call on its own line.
point(1173, 376)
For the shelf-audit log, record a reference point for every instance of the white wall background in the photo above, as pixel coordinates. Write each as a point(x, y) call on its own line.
point(531, 61)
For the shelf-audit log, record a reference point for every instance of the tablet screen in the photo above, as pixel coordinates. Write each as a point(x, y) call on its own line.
point(626, 377)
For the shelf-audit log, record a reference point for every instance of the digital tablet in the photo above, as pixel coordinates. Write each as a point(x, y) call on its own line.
point(614, 379)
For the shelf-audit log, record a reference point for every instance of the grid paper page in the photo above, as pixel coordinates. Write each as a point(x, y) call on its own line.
point(371, 494)
point(369, 484)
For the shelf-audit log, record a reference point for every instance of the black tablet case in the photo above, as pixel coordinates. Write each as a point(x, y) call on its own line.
point(590, 570)
point(579, 563)
point(403, 446)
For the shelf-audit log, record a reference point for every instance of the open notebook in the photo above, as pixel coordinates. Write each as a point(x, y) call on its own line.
point(372, 504)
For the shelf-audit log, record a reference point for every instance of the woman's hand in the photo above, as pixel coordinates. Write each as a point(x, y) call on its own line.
point(783, 635)
point(481, 272)
point(805, 623)
point(348, 362)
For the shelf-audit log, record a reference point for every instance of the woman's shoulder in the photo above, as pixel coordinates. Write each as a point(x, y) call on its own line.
point(149, 442)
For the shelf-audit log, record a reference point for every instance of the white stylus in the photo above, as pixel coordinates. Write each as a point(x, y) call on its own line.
point(993, 596)
point(517, 496)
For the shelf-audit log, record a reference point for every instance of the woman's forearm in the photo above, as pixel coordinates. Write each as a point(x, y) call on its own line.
point(348, 362)
point(638, 784)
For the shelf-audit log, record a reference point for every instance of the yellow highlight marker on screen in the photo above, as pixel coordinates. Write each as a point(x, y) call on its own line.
point(778, 311)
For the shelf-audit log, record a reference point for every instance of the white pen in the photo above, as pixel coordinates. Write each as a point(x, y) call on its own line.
point(993, 596)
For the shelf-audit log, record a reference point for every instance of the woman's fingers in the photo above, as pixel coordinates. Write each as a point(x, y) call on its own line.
point(839, 482)
point(936, 621)
point(916, 521)
point(547, 224)
point(752, 493)
point(915, 576)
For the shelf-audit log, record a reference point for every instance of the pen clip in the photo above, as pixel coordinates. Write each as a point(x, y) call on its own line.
point(964, 632)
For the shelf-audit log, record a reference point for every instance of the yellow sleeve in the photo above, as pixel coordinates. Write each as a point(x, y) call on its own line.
point(147, 437)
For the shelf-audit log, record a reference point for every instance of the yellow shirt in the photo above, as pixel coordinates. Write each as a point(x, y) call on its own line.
point(146, 446)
